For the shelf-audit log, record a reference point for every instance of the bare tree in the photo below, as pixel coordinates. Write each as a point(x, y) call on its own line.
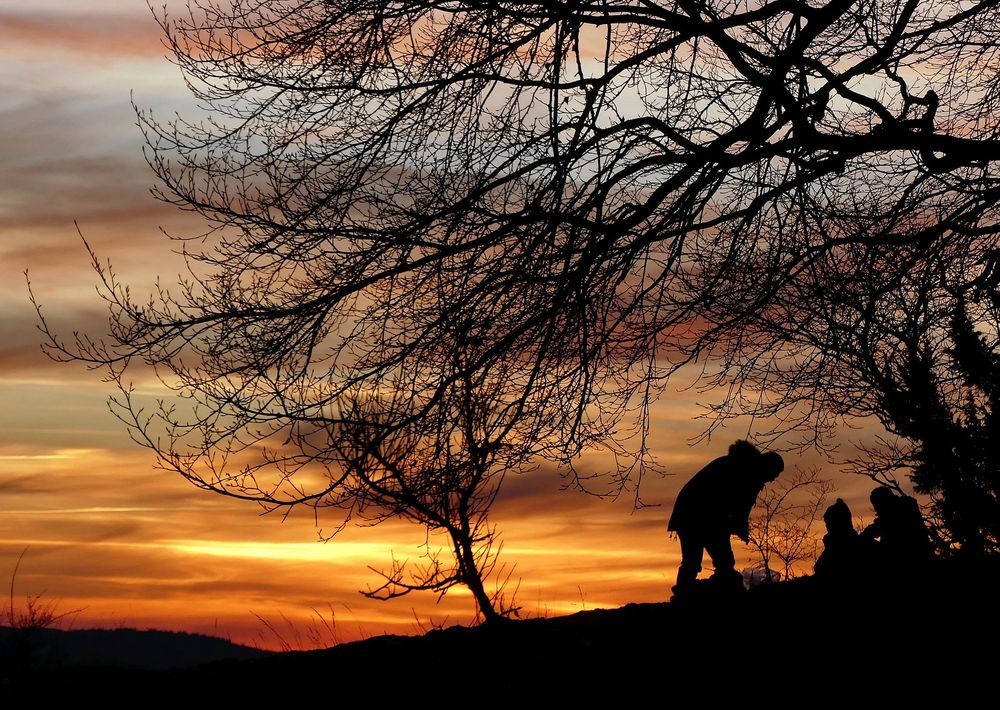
point(782, 533)
point(443, 471)
point(600, 193)
point(21, 624)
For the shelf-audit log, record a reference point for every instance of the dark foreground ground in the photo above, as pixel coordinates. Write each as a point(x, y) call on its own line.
point(921, 639)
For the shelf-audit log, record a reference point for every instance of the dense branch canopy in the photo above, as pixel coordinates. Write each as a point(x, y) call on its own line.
point(598, 192)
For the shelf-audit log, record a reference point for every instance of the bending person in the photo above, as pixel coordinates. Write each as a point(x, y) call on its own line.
point(716, 504)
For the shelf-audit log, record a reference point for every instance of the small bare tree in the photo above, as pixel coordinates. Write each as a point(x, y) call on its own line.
point(782, 534)
point(36, 612)
point(443, 471)
point(20, 645)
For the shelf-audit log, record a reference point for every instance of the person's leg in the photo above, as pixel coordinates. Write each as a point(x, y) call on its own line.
point(720, 550)
point(692, 550)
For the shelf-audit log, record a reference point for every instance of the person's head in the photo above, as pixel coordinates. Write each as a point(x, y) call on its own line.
point(882, 499)
point(741, 449)
point(838, 517)
point(770, 466)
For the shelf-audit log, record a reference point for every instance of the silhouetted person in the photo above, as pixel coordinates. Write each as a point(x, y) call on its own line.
point(716, 504)
point(899, 529)
point(846, 555)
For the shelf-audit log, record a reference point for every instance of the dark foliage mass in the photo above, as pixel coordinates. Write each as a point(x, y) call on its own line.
point(562, 203)
point(951, 416)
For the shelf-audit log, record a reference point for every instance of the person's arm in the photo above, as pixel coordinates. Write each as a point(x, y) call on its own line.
point(871, 532)
point(740, 517)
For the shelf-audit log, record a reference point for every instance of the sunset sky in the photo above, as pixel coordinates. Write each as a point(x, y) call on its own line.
point(134, 546)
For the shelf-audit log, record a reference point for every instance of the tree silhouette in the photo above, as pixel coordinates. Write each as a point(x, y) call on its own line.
point(939, 397)
point(443, 471)
point(907, 335)
point(781, 528)
point(600, 193)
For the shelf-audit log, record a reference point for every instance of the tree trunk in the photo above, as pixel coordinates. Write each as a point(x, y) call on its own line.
point(471, 575)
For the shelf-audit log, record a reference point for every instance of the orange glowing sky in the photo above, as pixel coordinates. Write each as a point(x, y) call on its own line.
point(133, 546)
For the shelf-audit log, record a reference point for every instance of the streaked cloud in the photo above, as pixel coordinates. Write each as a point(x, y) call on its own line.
point(102, 31)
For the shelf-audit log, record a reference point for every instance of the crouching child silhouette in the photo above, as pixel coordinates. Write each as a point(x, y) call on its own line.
point(903, 543)
point(716, 504)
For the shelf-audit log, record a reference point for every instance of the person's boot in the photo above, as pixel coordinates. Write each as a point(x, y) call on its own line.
point(727, 581)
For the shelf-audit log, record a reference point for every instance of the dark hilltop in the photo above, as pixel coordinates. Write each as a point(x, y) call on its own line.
point(921, 636)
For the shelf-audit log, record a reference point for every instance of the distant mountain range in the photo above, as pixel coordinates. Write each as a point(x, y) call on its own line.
point(119, 648)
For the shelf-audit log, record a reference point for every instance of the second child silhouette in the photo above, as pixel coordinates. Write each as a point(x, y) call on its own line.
point(899, 528)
